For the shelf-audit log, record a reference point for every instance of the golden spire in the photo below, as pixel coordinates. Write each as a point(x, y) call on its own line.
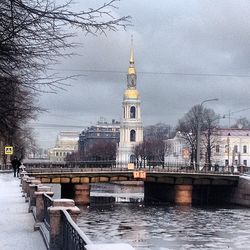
point(131, 69)
point(132, 60)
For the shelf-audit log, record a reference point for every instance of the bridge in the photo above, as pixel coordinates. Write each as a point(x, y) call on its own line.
point(174, 185)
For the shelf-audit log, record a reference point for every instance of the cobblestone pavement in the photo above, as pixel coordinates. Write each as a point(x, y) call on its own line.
point(16, 224)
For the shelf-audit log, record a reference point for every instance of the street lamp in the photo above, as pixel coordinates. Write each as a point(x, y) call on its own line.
point(199, 131)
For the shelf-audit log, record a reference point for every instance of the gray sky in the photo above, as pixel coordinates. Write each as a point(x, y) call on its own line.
point(185, 52)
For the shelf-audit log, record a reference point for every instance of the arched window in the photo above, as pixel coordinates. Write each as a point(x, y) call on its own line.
point(132, 112)
point(132, 135)
point(132, 159)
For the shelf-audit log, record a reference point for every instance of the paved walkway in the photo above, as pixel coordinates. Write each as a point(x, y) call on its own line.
point(16, 224)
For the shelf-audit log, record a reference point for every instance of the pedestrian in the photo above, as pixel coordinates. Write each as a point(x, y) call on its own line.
point(15, 165)
point(18, 167)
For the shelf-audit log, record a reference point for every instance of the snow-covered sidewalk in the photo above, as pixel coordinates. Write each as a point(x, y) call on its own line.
point(16, 224)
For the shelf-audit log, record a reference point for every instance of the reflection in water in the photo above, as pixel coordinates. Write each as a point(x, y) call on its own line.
point(172, 227)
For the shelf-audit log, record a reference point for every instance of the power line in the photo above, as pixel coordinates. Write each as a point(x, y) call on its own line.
point(158, 73)
point(49, 125)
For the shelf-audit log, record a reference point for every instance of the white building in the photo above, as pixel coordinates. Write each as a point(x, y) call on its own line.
point(178, 150)
point(232, 147)
point(131, 129)
point(66, 143)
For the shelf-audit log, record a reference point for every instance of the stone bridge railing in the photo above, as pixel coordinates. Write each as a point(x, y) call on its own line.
point(174, 168)
point(56, 219)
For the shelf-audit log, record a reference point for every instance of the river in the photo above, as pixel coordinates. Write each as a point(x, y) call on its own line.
point(164, 227)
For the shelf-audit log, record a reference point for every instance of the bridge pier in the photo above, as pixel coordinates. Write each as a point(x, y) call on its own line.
point(183, 194)
point(80, 193)
point(169, 193)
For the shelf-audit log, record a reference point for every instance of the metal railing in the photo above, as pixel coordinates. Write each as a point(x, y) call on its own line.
point(148, 169)
point(95, 166)
point(68, 236)
point(48, 202)
point(72, 236)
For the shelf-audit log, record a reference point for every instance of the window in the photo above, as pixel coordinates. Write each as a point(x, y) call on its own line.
point(132, 112)
point(226, 149)
point(60, 153)
point(124, 113)
point(132, 159)
point(226, 162)
point(244, 149)
point(217, 148)
point(245, 162)
point(132, 135)
point(236, 148)
point(56, 153)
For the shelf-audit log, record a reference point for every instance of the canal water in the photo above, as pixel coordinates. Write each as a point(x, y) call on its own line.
point(163, 227)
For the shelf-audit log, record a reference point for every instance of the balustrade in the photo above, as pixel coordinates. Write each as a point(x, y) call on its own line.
point(73, 238)
point(59, 217)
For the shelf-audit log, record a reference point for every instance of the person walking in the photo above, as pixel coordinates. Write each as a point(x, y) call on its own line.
point(18, 166)
point(15, 165)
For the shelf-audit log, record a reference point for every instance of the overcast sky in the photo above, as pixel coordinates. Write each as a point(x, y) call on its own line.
point(185, 52)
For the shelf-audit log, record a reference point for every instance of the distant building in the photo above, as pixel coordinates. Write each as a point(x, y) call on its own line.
point(178, 150)
point(66, 143)
point(231, 147)
point(102, 131)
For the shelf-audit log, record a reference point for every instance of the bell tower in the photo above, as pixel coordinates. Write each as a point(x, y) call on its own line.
point(131, 128)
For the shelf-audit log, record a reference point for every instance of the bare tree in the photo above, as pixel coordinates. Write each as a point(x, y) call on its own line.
point(154, 147)
point(210, 121)
point(242, 123)
point(160, 131)
point(34, 34)
point(102, 150)
point(141, 153)
point(188, 126)
point(157, 149)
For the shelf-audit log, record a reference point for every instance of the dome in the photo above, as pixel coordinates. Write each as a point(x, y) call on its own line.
point(131, 94)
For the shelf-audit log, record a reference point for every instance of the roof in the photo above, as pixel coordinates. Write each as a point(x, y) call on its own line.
point(234, 132)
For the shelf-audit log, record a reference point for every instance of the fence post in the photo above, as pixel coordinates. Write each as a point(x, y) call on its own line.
point(26, 187)
point(55, 220)
point(41, 190)
point(32, 188)
point(23, 182)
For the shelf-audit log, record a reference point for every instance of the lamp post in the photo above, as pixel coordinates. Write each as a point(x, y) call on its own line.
point(199, 131)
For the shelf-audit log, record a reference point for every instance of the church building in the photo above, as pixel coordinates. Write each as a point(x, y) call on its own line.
point(131, 128)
